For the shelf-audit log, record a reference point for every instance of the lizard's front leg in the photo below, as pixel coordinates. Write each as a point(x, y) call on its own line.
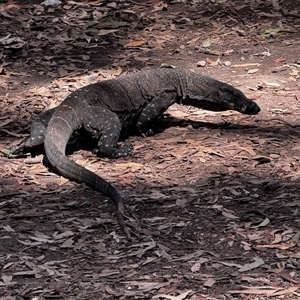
point(104, 125)
point(156, 107)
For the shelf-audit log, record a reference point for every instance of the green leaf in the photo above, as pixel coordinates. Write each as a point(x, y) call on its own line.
point(274, 31)
point(90, 24)
point(92, 32)
point(74, 35)
point(84, 36)
point(206, 43)
point(5, 151)
point(87, 37)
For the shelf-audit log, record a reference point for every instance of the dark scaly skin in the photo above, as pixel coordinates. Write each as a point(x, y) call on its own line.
point(134, 100)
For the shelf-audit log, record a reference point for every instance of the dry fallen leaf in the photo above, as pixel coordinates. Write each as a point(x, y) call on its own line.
point(252, 71)
point(245, 65)
point(134, 44)
point(281, 246)
point(270, 292)
point(179, 297)
point(213, 62)
point(7, 280)
point(209, 282)
point(9, 6)
point(257, 263)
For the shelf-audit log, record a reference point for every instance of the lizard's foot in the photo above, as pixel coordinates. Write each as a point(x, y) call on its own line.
point(144, 131)
point(31, 144)
point(16, 150)
point(124, 151)
point(129, 228)
point(150, 132)
point(19, 149)
point(125, 225)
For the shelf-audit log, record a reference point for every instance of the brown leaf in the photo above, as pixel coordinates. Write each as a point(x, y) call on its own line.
point(245, 65)
point(213, 62)
point(209, 282)
point(179, 297)
point(272, 246)
point(134, 44)
point(68, 243)
point(9, 6)
point(297, 95)
point(252, 71)
point(271, 292)
point(257, 263)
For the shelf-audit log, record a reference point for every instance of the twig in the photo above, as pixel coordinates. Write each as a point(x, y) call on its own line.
point(277, 119)
point(285, 13)
point(287, 278)
point(140, 4)
point(236, 13)
point(296, 238)
point(211, 52)
point(258, 212)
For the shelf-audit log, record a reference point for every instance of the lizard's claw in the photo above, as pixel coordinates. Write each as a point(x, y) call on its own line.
point(19, 149)
point(124, 151)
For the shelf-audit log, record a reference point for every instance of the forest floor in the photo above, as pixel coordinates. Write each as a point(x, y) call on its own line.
point(216, 194)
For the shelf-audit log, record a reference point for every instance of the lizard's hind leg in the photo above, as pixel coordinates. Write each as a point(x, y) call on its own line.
point(104, 125)
point(37, 134)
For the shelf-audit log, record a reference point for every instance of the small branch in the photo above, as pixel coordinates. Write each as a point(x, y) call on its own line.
point(277, 119)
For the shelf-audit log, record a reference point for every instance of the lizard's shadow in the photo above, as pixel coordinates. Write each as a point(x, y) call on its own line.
point(81, 140)
point(168, 121)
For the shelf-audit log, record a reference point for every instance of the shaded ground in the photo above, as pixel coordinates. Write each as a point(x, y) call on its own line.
point(216, 194)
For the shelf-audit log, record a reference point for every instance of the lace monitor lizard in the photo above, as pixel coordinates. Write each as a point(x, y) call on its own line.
point(106, 107)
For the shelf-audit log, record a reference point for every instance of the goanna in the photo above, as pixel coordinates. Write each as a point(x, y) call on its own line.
point(105, 108)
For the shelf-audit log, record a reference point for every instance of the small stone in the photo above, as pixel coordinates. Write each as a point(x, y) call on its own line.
point(112, 5)
point(201, 63)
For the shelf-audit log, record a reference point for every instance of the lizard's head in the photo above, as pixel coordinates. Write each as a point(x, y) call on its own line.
point(232, 98)
point(214, 95)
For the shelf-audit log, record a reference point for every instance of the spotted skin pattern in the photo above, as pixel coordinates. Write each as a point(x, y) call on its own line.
point(105, 108)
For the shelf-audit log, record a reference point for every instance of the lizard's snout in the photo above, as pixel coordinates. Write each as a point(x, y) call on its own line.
point(252, 109)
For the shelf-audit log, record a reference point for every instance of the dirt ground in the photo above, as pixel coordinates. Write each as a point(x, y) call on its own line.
point(216, 194)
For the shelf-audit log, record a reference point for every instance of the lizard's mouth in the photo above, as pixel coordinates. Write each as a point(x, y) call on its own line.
point(251, 109)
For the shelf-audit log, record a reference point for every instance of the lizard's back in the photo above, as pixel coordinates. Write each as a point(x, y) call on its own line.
point(128, 93)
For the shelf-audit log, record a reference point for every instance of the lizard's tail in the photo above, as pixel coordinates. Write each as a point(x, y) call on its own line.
point(55, 145)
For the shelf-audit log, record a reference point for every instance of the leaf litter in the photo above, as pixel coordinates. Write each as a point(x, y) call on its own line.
point(191, 188)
